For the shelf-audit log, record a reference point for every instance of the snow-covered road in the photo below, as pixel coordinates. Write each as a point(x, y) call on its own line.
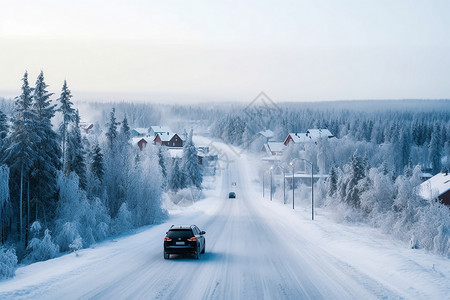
point(255, 249)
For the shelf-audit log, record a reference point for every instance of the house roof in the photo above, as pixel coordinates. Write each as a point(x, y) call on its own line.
point(161, 129)
point(165, 137)
point(142, 131)
point(136, 140)
point(266, 133)
point(299, 137)
point(276, 146)
point(319, 133)
point(435, 186)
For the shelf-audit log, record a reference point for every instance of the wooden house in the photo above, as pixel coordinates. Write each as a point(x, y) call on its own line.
point(437, 187)
point(172, 140)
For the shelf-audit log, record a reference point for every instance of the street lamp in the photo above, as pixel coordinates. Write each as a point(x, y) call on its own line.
point(263, 183)
point(312, 184)
point(271, 183)
point(284, 186)
point(312, 187)
point(293, 186)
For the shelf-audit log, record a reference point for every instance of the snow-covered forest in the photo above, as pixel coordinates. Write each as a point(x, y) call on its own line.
point(375, 164)
point(61, 190)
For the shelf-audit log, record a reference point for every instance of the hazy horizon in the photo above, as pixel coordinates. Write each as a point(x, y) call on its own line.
point(200, 52)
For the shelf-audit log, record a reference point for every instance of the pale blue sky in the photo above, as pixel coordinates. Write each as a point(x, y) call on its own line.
point(229, 50)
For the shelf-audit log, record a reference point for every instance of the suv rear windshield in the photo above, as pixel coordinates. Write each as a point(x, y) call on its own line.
point(180, 233)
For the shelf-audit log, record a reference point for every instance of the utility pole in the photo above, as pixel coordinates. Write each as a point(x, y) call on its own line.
point(293, 186)
point(263, 183)
point(271, 183)
point(284, 187)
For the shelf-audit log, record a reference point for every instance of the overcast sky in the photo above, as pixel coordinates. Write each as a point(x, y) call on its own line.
point(229, 50)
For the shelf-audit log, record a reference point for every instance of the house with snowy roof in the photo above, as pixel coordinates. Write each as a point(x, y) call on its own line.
point(311, 135)
point(316, 134)
point(171, 140)
point(437, 187)
point(274, 148)
point(161, 130)
point(141, 142)
point(296, 138)
point(135, 132)
point(267, 135)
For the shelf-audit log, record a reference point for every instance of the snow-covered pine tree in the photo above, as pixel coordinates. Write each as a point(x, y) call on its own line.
point(176, 181)
point(112, 132)
point(47, 163)
point(125, 131)
point(20, 149)
point(434, 151)
point(97, 164)
point(3, 131)
point(76, 153)
point(191, 166)
point(68, 116)
point(355, 171)
point(117, 166)
point(332, 182)
point(4, 201)
point(162, 164)
point(404, 148)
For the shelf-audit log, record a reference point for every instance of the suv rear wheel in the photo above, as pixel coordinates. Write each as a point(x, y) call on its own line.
point(197, 253)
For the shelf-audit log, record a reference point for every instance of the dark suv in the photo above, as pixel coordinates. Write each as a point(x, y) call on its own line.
point(181, 239)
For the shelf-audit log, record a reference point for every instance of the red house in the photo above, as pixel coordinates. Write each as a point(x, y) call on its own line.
point(172, 140)
point(140, 142)
point(437, 187)
point(296, 138)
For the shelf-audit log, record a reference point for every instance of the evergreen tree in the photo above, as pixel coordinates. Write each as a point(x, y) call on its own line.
point(47, 163)
point(332, 181)
point(176, 181)
point(355, 171)
point(162, 164)
point(68, 116)
point(97, 164)
point(405, 147)
point(191, 166)
point(75, 153)
point(112, 132)
point(4, 202)
point(20, 149)
point(366, 164)
point(434, 153)
point(125, 131)
point(3, 131)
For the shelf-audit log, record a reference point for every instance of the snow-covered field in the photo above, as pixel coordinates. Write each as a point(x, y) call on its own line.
point(255, 249)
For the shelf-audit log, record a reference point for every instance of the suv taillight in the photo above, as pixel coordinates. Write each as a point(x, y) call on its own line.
point(167, 239)
point(192, 239)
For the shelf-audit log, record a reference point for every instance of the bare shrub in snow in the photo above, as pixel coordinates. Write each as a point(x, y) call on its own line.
point(76, 245)
point(41, 250)
point(77, 216)
point(66, 235)
point(123, 221)
point(8, 262)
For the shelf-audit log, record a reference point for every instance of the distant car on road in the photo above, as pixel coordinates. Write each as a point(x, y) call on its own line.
point(184, 239)
point(232, 195)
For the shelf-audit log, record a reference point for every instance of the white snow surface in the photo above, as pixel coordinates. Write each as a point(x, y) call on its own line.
point(255, 249)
